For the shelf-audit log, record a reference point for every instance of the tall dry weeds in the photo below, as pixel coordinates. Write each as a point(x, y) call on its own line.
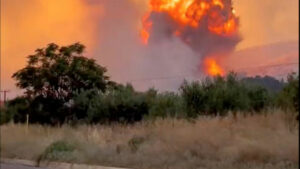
point(259, 141)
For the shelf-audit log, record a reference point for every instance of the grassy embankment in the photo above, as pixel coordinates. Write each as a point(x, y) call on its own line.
point(259, 141)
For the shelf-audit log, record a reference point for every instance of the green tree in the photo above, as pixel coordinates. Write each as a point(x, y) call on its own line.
point(58, 72)
point(289, 97)
point(166, 104)
point(219, 95)
point(53, 75)
point(122, 104)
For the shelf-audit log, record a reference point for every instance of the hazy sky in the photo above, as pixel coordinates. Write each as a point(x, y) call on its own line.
point(267, 21)
point(29, 24)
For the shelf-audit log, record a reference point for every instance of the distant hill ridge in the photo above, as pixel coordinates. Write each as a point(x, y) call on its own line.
point(248, 61)
point(268, 82)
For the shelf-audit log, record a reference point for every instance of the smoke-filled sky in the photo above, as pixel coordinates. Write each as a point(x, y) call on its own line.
point(110, 30)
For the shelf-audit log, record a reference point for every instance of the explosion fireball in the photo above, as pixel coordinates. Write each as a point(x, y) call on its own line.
point(212, 68)
point(209, 27)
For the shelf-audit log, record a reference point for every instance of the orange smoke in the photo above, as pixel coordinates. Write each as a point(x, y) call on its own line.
point(212, 68)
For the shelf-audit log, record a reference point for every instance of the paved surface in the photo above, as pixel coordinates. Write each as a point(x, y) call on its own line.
point(26, 164)
point(16, 166)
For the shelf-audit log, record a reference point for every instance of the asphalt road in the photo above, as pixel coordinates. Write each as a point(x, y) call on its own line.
point(16, 166)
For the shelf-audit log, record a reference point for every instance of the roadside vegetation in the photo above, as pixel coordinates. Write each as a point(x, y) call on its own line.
point(77, 114)
point(263, 141)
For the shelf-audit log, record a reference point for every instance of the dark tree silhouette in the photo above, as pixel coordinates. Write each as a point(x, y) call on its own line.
point(54, 74)
point(289, 96)
point(58, 72)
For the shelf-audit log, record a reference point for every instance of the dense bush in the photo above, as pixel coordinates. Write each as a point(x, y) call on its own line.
point(121, 104)
point(218, 96)
point(289, 97)
point(167, 104)
point(47, 110)
point(4, 116)
point(40, 110)
point(259, 98)
point(15, 110)
point(58, 151)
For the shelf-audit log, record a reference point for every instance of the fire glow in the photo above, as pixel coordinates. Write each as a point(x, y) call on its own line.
point(212, 20)
point(212, 68)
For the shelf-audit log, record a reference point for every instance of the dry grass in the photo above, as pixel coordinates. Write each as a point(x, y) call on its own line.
point(246, 142)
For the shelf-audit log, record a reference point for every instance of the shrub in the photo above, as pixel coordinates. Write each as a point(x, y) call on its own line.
point(58, 151)
point(48, 111)
point(15, 110)
point(218, 96)
point(122, 104)
point(259, 98)
point(288, 98)
point(40, 110)
point(4, 116)
point(167, 104)
point(194, 98)
point(135, 142)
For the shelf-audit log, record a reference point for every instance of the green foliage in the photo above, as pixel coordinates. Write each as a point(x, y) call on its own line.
point(194, 97)
point(259, 98)
point(218, 96)
point(15, 110)
point(5, 117)
point(57, 72)
point(288, 98)
point(121, 104)
point(58, 151)
point(167, 104)
point(53, 75)
point(45, 110)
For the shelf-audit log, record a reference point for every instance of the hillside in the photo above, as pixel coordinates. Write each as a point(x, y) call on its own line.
point(276, 60)
point(268, 82)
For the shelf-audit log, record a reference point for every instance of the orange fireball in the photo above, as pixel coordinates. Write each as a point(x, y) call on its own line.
point(191, 13)
point(212, 68)
point(209, 27)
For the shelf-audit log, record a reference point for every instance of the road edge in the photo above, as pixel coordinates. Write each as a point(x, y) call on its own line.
point(54, 165)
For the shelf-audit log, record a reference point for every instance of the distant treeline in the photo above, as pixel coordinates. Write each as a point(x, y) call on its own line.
point(64, 87)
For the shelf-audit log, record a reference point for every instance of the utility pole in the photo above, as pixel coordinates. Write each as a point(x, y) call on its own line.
point(4, 95)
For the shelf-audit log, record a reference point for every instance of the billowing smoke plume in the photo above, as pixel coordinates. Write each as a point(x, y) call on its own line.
point(209, 27)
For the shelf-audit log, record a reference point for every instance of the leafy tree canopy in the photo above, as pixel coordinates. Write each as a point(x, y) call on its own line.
point(57, 72)
point(289, 96)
